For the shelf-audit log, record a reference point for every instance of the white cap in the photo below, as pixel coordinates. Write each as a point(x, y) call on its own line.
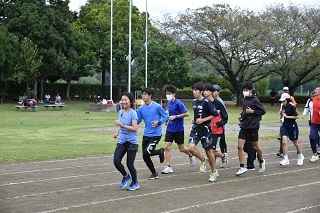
point(285, 89)
point(284, 96)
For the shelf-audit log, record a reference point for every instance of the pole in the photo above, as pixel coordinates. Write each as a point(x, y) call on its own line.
point(129, 66)
point(111, 47)
point(146, 77)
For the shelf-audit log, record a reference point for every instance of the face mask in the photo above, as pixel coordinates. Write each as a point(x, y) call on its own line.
point(169, 97)
point(246, 93)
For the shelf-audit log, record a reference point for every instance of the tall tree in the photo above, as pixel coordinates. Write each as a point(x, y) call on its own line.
point(228, 39)
point(294, 34)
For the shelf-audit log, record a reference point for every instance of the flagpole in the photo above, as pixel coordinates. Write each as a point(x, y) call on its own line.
point(111, 47)
point(146, 74)
point(129, 66)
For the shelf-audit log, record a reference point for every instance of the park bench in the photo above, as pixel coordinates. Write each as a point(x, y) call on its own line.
point(25, 108)
point(54, 106)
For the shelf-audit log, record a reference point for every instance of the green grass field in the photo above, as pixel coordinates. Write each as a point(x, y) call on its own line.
point(71, 132)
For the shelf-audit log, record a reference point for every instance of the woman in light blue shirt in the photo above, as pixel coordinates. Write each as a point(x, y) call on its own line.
point(127, 142)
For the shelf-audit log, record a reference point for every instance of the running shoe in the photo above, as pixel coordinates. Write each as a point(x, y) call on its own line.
point(285, 162)
point(279, 154)
point(133, 186)
point(300, 160)
point(213, 176)
point(224, 161)
point(153, 176)
point(262, 166)
point(192, 161)
point(314, 158)
point(161, 155)
point(241, 171)
point(167, 170)
point(124, 181)
point(251, 168)
point(203, 167)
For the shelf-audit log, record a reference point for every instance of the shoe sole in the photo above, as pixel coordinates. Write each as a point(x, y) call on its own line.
point(133, 189)
point(166, 172)
point(241, 173)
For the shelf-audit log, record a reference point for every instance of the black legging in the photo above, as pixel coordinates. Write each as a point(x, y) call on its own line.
point(223, 144)
point(131, 156)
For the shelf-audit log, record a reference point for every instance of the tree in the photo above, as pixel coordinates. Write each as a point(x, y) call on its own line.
point(168, 63)
point(28, 63)
point(8, 50)
point(229, 40)
point(294, 35)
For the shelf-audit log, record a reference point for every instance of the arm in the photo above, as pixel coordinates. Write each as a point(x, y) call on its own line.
point(224, 116)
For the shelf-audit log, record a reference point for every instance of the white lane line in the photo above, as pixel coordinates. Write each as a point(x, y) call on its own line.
point(186, 188)
point(241, 197)
point(98, 164)
point(304, 209)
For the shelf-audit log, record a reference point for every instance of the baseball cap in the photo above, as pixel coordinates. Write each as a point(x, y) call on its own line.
point(216, 87)
point(284, 96)
point(285, 89)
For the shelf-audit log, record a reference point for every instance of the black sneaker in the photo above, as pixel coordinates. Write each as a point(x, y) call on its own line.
point(279, 138)
point(279, 154)
point(153, 176)
point(161, 155)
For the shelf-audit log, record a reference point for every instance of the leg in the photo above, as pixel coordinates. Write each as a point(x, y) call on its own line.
point(131, 156)
point(223, 144)
point(118, 155)
point(251, 155)
point(212, 161)
point(168, 152)
point(241, 151)
point(194, 151)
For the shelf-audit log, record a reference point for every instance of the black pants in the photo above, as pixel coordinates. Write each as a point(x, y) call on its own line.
point(149, 149)
point(121, 150)
point(223, 144)
point(252, 154)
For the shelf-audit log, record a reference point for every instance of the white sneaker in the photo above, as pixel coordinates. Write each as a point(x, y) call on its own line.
point(241, 171)
point(167, 170)
point(224, 161)
point(300, 160)
point(285, 162)
point(203, 167)
point(192, 161)
point(262, 166)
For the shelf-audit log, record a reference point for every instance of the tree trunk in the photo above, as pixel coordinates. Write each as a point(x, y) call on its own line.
point(35, 87)
point(68, 90)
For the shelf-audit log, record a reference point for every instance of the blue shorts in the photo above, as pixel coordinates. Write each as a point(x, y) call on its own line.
point(290, 130)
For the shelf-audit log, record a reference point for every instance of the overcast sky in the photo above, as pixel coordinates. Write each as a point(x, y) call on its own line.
point(157, 8)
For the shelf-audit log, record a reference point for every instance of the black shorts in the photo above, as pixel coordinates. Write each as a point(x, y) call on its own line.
point(177, 137)
point(201, 133)
point(128, 146)
point(216, 142)
point(249, 134)
point(290, 130)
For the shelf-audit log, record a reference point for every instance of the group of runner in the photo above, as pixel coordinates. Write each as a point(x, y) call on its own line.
point(208, 127)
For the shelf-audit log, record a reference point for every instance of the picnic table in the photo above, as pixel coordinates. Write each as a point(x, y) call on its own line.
point(54, 106)
point(25, 107)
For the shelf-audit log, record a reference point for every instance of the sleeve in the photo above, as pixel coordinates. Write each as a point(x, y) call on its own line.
point(259, 109)
point(164, 114)
point(224, 116)
point(213, 111)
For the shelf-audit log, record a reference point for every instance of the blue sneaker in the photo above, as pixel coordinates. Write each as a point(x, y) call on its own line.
point(124, 181)
point(133, 186)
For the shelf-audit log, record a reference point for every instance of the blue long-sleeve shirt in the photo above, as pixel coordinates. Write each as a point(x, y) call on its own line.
point(149, 114)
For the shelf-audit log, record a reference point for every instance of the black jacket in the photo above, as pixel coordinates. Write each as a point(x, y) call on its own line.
point(252, 120)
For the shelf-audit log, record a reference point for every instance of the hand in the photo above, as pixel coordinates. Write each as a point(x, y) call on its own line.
point(115, 135)
point(172, 117)
point(302, 117)
point(199, 120)
point(155, 123)
point(117, 123)
point(249, 110)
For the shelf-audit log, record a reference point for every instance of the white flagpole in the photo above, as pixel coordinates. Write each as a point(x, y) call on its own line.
point(129, 72)
point(146, 77)
point(111, 47)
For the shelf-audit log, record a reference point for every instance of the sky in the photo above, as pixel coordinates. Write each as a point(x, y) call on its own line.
point(157, 8)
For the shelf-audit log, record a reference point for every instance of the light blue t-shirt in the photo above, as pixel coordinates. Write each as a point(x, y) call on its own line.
point(124, 134)
point(149, 114)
